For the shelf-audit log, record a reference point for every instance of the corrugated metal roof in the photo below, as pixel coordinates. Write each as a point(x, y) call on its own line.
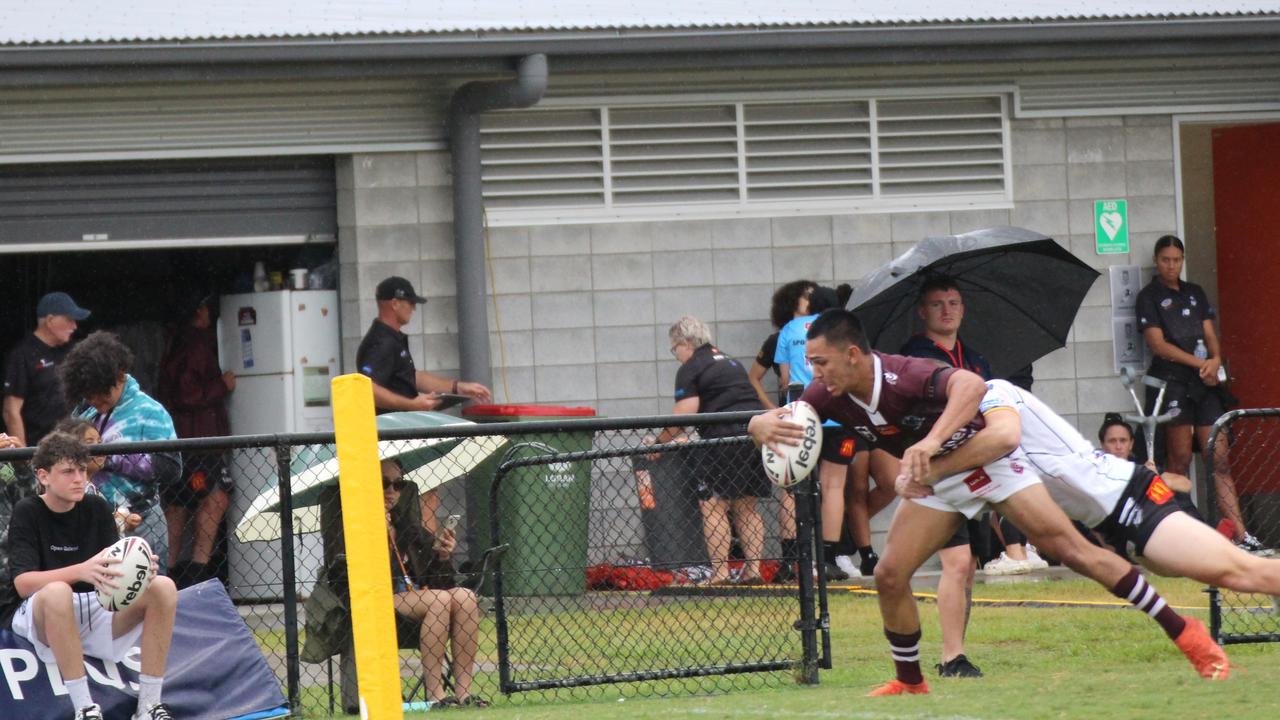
point(24, 22)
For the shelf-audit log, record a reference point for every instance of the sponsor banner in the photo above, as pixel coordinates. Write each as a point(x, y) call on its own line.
point(215, 670)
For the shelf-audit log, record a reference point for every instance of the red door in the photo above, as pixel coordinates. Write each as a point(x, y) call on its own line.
point(1246, 200)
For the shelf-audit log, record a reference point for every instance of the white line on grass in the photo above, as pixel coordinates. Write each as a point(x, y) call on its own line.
point(851, 715)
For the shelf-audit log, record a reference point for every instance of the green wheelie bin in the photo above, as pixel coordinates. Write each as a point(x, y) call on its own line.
point(544, 509)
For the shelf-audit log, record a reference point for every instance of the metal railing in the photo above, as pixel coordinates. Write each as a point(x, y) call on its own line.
point(599, 580)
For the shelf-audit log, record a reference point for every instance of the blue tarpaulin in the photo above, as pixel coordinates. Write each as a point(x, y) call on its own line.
point(215, 670)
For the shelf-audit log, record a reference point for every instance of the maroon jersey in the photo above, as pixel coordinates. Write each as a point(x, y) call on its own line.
point(908, 397)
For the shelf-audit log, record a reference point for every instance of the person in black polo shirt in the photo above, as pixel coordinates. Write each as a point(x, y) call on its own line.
point(730, 478)
point(1177, 321)
point(384, 356)
point(33, 400)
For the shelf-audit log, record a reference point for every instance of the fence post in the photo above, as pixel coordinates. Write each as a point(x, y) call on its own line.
point(805, 530)
point(288, 572)
point(1211, 511)
point(499, 602)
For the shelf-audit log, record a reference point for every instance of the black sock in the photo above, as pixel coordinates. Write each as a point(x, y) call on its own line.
point(1134, 588)
point(866, 553)
point(906, 656)
point(830, 550)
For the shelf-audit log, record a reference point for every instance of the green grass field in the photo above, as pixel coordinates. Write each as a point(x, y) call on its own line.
point(1082, 661)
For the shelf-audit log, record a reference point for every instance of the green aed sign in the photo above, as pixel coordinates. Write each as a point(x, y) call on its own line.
point(1111, 226)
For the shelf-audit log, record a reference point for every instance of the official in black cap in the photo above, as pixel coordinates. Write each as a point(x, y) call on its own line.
point(384, 356)
point(33, 400)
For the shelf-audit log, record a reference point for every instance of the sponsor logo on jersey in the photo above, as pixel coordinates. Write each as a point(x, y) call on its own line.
point(912, 422)
point(887, 429)
point(847, 447)
point(1016, 466)
point(957, 439)
point(867, 433)
point(1158, 492)
point(1165, 303)
point(44, 364)
point(891, 377)
point(977, 480)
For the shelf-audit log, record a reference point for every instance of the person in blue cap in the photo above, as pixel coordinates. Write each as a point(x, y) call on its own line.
point(33, 399)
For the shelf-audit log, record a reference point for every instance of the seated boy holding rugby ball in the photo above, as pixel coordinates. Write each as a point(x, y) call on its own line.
point(57, 546)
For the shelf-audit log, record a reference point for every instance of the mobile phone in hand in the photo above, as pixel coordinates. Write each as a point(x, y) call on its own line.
point(451, 522)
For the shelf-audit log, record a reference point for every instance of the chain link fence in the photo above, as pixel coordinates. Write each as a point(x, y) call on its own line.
point(584, 560)
point(1248, 443)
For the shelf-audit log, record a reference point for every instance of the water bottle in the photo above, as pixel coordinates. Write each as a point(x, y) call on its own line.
point(1201, 351)
point(260, 281)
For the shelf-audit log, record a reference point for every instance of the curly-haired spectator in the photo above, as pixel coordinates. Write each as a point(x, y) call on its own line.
point(95, 377)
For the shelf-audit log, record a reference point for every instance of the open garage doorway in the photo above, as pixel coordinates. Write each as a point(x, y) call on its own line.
point(137, 241)
point(143, 295)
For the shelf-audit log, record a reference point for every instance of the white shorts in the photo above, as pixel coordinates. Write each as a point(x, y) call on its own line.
point(970, 492)
point(95, 629)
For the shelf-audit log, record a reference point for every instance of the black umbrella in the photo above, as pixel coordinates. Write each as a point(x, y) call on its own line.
point(1021, 292)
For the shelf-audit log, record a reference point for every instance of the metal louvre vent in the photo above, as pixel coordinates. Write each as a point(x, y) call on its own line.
point(838, 154)
point(544, 158)
point(930, 147)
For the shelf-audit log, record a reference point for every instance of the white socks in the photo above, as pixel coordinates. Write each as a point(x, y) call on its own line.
point(149, 691)
point(79, 691)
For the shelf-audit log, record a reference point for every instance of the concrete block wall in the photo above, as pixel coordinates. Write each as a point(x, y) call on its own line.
point(578, 314)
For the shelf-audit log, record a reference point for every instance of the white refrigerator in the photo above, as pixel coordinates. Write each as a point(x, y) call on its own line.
point(284, 347)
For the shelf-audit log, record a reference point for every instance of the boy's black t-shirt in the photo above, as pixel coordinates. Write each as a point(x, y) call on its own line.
point(41, 539)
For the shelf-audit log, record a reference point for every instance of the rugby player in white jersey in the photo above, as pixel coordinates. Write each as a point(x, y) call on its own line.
point(1131, 506)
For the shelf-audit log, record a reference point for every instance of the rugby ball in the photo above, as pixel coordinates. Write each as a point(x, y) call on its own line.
point(135, 562)
point(795, 462)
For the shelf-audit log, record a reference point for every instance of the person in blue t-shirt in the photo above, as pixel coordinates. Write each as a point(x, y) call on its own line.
point(843, 453)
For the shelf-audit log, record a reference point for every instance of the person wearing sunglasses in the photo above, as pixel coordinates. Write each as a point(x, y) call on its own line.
point(424, 590)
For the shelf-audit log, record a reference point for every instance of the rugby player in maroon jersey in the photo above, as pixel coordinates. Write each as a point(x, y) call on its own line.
point(914, 409)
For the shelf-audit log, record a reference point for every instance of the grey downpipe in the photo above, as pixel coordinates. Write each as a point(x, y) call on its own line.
point(468, 102)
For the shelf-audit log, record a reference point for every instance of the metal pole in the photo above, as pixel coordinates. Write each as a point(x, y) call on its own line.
point(468, 102)
point(284, 454)
point(499, 605)
point(820, 560)
point(804, 549)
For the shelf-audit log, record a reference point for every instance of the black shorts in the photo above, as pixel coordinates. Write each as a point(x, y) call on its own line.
point(975, 534)
point(1197, 404)
point(201, 474)
point(840, 445)
point(1146, 502)
point(728, 472)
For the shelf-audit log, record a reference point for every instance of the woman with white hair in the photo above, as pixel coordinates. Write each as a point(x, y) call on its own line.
point(730, 477)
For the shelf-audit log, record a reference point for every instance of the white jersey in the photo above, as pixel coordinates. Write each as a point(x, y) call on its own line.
point(1086, 482)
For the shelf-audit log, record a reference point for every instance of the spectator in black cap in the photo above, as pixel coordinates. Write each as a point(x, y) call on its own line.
point(384, 356)
point(33, 398)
